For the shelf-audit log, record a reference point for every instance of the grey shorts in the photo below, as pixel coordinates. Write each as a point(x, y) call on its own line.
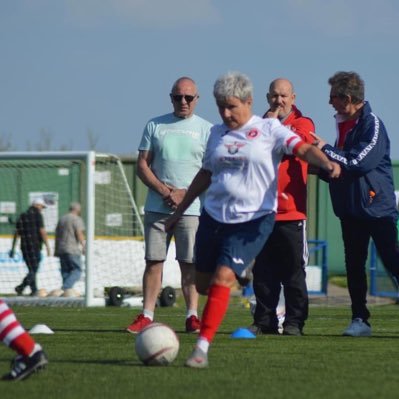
point(157, 241)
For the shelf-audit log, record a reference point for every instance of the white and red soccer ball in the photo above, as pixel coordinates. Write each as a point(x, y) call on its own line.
point(157, 345)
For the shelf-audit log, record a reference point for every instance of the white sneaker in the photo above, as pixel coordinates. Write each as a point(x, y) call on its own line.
point(198, 359)
point(358, 328)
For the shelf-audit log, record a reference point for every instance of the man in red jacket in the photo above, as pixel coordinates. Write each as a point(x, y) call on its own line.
point(284, 256)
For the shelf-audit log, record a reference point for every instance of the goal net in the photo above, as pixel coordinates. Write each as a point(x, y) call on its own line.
point(114, 254)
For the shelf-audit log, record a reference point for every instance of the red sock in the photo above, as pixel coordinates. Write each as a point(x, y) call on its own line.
point(12, 333)
point(23, 344)
point(214, 311)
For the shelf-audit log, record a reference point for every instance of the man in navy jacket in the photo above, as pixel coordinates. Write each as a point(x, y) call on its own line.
point(363, 197)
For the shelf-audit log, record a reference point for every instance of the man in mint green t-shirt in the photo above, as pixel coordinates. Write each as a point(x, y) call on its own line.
point(170, 154)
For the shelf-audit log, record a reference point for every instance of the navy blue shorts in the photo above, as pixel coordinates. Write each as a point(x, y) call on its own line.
point(235, 245)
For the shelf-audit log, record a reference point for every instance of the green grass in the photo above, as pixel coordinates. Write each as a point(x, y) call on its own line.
point(92, 357)
point(340, 281)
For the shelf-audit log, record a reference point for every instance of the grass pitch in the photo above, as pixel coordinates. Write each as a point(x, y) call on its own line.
point(91, 356)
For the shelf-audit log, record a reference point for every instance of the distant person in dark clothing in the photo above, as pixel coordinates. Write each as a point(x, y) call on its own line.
point(30, 228)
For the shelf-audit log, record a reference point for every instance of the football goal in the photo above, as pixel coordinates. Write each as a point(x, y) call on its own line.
point(114, 254)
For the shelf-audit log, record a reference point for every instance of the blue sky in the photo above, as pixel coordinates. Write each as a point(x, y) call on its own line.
point(75, 69)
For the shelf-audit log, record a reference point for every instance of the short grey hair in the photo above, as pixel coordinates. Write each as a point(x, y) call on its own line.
point(233, 84)
point(74, 206)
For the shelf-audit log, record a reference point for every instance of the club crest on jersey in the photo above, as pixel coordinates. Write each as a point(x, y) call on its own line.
point(234, 148)
point(252, 134)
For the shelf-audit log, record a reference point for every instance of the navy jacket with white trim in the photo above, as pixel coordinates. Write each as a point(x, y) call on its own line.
point(365, 188)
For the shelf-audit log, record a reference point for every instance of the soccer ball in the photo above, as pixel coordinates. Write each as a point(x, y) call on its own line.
point(157, 345)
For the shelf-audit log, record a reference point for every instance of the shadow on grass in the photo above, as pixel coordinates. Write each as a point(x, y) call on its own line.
point(90, 330)
point(123, 331)
point(123, 363)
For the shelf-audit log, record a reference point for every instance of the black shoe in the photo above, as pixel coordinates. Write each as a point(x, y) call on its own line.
point(258, 330)
point(292, 330)
point(19, 289)
point(23, 366)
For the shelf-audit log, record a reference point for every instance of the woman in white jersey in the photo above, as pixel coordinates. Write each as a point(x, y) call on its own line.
point(239, 173)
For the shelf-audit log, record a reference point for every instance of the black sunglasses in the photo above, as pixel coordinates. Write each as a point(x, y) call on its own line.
point(179, 97)
point(334, 96)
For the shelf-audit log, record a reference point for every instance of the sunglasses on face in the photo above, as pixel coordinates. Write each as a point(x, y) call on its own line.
point(335, 96)
point(178, 97)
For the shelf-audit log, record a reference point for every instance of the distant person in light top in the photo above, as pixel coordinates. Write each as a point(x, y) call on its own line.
point(30, 228)
point(170, 154)
point(239, 174)
point(31, 356)
point(70, 244)
point(283, 259)
point(363, 198)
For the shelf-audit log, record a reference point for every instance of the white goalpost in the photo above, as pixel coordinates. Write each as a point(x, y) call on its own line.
point(114, 254)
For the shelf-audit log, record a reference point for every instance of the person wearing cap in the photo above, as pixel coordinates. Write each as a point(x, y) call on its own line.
point(30, 229)
point(69, 245)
